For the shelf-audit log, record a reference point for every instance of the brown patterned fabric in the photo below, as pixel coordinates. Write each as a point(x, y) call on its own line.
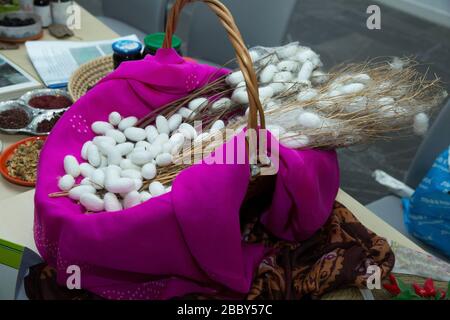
point(336, 257)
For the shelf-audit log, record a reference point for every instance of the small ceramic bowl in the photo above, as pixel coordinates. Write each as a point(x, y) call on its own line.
point(21, 34)
point(45, 92)
point(18, 104)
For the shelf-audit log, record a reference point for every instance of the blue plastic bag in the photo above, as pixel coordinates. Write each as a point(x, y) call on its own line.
point(427, 213)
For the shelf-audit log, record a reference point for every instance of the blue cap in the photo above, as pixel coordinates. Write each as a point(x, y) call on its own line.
point(127, 47)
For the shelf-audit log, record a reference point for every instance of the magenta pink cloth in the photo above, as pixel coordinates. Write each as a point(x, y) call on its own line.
point(186, 241)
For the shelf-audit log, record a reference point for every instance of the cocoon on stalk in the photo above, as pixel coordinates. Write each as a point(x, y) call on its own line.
point(352, 88)
point(305, 54)
point(98, 179)
point(152, 133)
point(149, 171)
point(114, 156)
point(131, 173)
point(362, 78)
point(114, 118)
point(135, 134)
point(86, 170)
point(284, 76)
point(185, 112)
point(101, 127)
point(162, 124)
point(75, 193)
point(397, 63)
point(127, 164)
point(197, 103)
point(234, 78)
point(143, 144)
point(111, 202)
point(305, 71)
point(269, 104)
point(385, 101)
point(319, 77)
point(175, 121)
point(71, 166)
point(162, 138)
point(145, 196)
point(66, 183)
point(121, 185)
point(187, 131)
point(307, 95)
point(277, 87)
point(217, 126)
point(222, 103)
point(127, 123)
point(131, 199)
point(288, 65)
point(421, 123)
point(117, 135)
point(294, 140)
point(92, 202)
point(357, 104)
point(141, 157)
point(287, 51)
point(240, 96)
point(255, 56)
point(125, 148)
point(84, 149)
point(309, 120)
point(268, 73)
point(164, 159)
point(156, 188)
point(265, 92)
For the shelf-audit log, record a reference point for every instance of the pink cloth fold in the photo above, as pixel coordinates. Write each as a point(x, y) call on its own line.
point(186, 241)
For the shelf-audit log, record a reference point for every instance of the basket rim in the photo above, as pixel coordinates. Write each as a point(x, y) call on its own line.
point(80, 72)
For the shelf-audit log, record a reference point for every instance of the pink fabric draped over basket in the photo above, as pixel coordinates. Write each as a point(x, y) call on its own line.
point(188, 240)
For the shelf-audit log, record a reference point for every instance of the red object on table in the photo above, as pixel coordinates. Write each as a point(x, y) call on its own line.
point(6, 155)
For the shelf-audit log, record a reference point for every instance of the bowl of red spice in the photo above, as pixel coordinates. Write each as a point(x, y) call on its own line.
point(47, 99)
point(15, 116)
point(44, 123)
point(18, 163)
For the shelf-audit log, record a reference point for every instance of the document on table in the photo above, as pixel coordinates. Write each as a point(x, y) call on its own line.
point(55, 61)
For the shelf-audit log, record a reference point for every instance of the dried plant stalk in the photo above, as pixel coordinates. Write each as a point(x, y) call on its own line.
point(388, 103)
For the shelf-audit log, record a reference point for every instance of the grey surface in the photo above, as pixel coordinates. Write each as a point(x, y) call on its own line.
point(390, 209)
point(121, 28)
point(147, 16)
point(140, 17)
point(337, 30)
point(436, 141)
point(261, 22)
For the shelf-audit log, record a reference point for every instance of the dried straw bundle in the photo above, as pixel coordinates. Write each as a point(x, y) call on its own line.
point(391, 96)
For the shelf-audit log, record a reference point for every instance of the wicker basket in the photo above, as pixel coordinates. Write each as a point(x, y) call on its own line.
point(87, 76)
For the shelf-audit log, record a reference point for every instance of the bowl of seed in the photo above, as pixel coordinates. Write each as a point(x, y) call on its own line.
point(18, 163)
point(15, 116)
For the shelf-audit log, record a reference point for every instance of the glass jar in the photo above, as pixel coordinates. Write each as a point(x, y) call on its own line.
point(42, 9)
point(126, 50)
point(154, 41)
point(60, 11)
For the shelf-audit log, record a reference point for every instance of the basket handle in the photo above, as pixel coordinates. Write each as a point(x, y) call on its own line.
point(243, 57)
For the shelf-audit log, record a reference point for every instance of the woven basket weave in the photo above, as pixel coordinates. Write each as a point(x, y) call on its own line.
point(87, 76)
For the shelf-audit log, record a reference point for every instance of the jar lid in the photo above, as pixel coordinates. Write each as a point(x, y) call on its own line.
point(155, 41)
point(127, 47)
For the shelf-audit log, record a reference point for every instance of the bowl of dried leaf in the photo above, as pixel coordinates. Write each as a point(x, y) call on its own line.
point(18, 163)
